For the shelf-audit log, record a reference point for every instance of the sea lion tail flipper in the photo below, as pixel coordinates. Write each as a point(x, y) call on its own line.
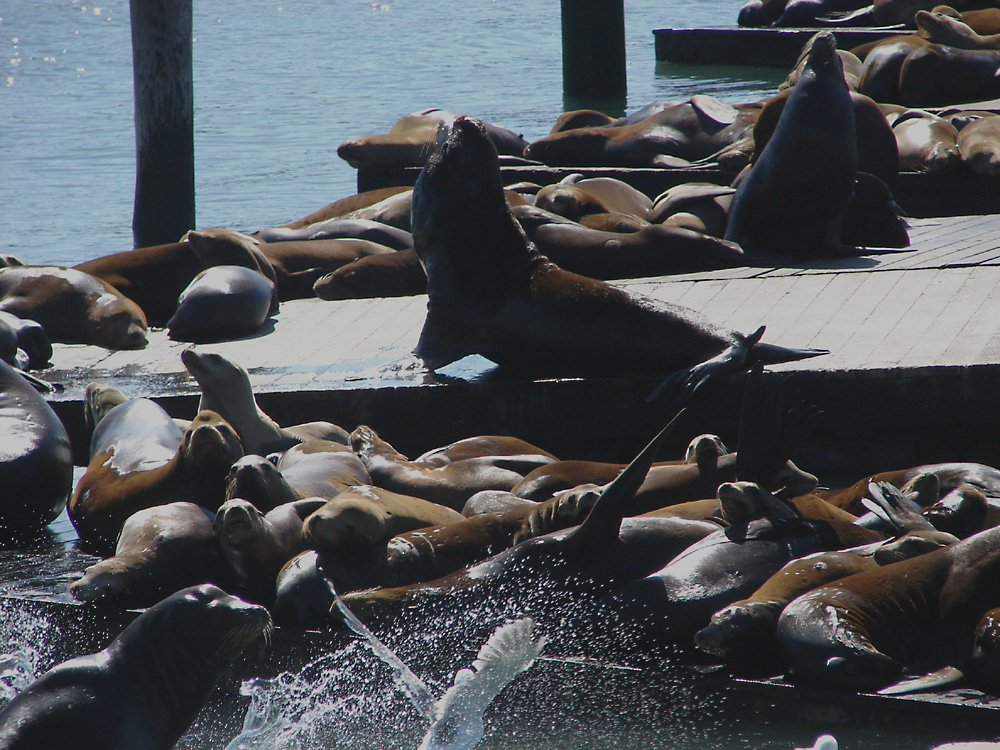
point(603, 523)
point(889, 504)
point(684, 383)
point(772, 354)
point(943, 676)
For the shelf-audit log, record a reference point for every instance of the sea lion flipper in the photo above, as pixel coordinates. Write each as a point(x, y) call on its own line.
point(943, 676)
point(442, 341)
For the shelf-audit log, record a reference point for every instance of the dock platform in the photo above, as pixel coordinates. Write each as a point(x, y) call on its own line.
point(912, 375)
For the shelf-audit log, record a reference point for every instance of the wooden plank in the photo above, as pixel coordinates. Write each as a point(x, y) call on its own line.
point(950, 315)
point(974, 336)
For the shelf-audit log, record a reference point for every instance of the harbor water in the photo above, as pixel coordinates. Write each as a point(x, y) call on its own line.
point(278, 85)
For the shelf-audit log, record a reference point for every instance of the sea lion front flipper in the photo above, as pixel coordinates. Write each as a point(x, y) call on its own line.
point(943, 676)
point(442, 341)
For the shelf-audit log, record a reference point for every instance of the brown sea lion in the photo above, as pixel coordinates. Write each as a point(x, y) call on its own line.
point(706, 201)
point(366, 516)
point(450, 484)
point(962, 512)
point(673, 137)
point(862, 631)
point(256, 546)
point(477, 447)
point(225, 388)
point(146, 688)
point(256, 480)
point(160, 550)
point(344, 206)
point(580, 118)
point(979, 144)
point(412, 139)
point(340, 227)
point(73, 306)
point(575, 196)
point(395, 274)
point(491, 293)
point(653, 250)
point(937, 75)
point(926, 142)
point(299, 264)
point(880, 74)
point(941, 28)
point(322, 468)
point(850, 62)
point(36, 463)
point(121, 480)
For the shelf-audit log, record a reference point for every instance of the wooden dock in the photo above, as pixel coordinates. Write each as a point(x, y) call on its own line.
point(764, 47)
point(912, 376)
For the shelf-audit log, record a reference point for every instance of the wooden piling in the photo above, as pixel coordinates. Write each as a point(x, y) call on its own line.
point(164, 120)
point(593, 43)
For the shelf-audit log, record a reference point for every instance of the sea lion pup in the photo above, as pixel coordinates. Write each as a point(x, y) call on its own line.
point(256, 546)
point(72, 306)
point(146, 688)
point(225, 388)
point(490, 292)
point(861, 632)
point(670, 136)
point(36, 462)
point(590, 559)
point(160, 550)
point(450, 484)
point(412, 138)
point(366, 516)
point(118, 482)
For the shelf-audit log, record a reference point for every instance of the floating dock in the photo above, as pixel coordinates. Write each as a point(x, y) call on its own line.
point(764, 47)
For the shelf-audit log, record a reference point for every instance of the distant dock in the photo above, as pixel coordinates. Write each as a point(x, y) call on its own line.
point(768, 47)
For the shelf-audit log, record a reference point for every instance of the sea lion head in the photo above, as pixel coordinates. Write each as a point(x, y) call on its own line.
point(705, 447)
point(237, 522)
point(119, 323)
point(210, 445)
point(738, 627)
point(347, 523)
point(259, 481)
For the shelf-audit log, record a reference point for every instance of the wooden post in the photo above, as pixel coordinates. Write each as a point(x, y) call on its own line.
point(164, 120)
point(593, 42)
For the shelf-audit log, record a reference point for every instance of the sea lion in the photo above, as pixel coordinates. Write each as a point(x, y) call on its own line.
point(850, 62)
point(880, 74)
point(146, 688)
point(962, 512)
point(72, 306)
point(580, 118)
point(29, 337)
point(936, 75)
point(860, 632)
point(670, 137)
point(491, 293)
point(979, 144)
point(222, 303)
point(121, 479)
point(160, 550)
point(704, 200)
point(984, 665)
point(299, 264)
point(256, 546)
point(653, 250)
point(926, 142)
point(366, 516)
point(36, 463)
point(395, 274)
point(225, 388)
point(342, 228)
point(255, 479)
point(807, 168)
point(941, 28)
point(574, 196)
point(98, 400)
point(224, 247)
point(450, 484)
point(477, 447)
point(343, 206)
point(412, 138)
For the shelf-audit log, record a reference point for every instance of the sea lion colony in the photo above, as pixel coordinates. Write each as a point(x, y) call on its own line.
point(278, 515)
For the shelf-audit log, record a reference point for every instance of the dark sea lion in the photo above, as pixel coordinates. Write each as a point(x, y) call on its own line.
point(343, 206)
point(116, 484)
point(256, 546)
point(491, 293)
point(222, 303)
point(256, 480)
point(926, 142)
point(880, 74)
point(812, 13)
point(962, 512)
point(450, 484)
point(860, 632)
point(937, 75)
point(984, 665)
point(225, 388)
point(672, 137)
point(394, 274)
point(393, 211)
point(850, 62)
point(979, 144)
point(73, 306)
point(613, 222)
point(224, 247)
point(36, 463)
point(160, 550)
point(654, 250)
point(915, 41)
point(365, 516)
point(146, 688)
point(342, 228)
point(30, 337)
point(299, 264)
point(412, 138)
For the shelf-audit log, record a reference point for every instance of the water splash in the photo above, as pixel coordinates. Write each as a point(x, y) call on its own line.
point(24, 648)
point(17, 670)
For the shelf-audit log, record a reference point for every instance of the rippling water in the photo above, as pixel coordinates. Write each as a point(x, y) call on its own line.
point(278, 86)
